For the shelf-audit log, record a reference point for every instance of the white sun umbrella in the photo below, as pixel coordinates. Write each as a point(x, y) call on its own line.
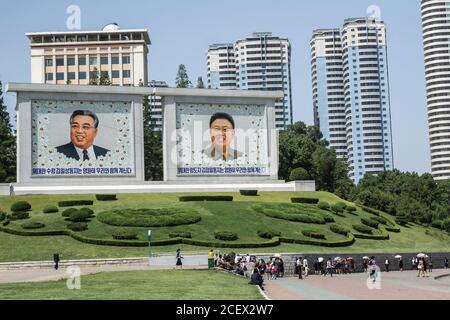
point(398, 256)
point(277, 255)
point(320, 259)
point(421, 255)
point(337, 259)
point(366, 258)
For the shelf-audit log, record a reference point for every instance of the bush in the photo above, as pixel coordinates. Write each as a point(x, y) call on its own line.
point(339, 229)
point(50, 209)
point(79, 216)
point(363, 228)
point(323, 205)
point(370, 223)
point(371, 211)
point(2, 215)
point(351, 209)
point(269, 234)
point(299, 174)
point(18, 216)
point(438, 224)
point(20, 206)
point(180, 234)
point(154, 217)
point(305, 218)
point(313, 234)
point(226, 236)
point(6, 222)
point(124, 235)
point(90, 212)
point(446, 225)
point(342, 205)
point(66, 213)
point(380, 220)
point(33, 225)
point(106, 197)
point(78, 226)
point(249, 193)
point(75, 203)
point(205, 198)
point(338, 210)
point(305, 200)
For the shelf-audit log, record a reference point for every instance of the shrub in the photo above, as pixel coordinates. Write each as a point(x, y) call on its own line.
point(79, 216)
point(299, 174)
point(380, 220)
point(75, 203)
point(362, 228)
point(2, 215)
point(370, 210)
point(226, 236)
point(249, 193)
point(154, 217)
point(205, 198)
point(305, 218)
point(33, 225)
point(20, 206)
point(338, 210)
point(305, 200)
point(66, 213)
point(6, 222)
point(90, 212)
point(323, 205)
point(313, 234)
point(351, 209)
point(339, 229)
point(180, 234)
point(446, 225)
point(371, 223)
point(50, 209)
point(328, 218)
point(438, 224)
point(18, 216)
point(78, 226)
point(106, 197)
point(269, 234)
point(342, 205)
point(124, 235)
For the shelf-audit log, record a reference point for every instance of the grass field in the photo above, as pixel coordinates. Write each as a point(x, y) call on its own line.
point(237, 216)
point(139, 285)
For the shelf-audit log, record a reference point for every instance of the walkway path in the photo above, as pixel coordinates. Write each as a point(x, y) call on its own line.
point(394, 286)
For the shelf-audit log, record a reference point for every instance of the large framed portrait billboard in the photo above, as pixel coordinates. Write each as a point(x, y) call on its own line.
point(79, 138)
point(222, 139)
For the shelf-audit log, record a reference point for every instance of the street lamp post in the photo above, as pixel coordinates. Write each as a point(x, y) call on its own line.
point(149, 241)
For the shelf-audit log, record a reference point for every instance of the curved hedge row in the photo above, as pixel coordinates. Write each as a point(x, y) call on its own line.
point(205, 198)
point(313, 234)
point(383, 236)
point(294, 212)
point(154, 217)
point(305, 218)
point(331, 244)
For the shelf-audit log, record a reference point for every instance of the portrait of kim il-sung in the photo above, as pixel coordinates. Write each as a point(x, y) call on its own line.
point(83, 131)
point(222, 131)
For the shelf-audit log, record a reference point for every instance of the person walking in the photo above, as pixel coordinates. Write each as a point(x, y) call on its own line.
point(445, 263)
point(420, 268)
point(179, 257)
point(329, 268)
point(299, 268)
point(373, 269)
point(413, 263)
point(211, 259)
point(430, 265)
point(56, 260)
point(386, 264)
point(400, 264)
point(268, 269)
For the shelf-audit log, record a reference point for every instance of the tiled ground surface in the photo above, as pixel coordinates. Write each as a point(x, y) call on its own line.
point(394, 286)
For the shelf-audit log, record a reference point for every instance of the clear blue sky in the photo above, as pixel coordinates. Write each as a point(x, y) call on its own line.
point(182, 30)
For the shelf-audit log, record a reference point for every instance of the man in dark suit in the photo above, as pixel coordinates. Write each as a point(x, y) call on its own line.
point(83, 130)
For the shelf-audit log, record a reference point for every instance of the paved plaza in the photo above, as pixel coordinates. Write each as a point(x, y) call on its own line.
point(394, 286)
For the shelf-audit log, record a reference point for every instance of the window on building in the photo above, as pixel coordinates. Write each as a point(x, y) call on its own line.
point(82, 61)
point(71, 76)
point(104, 74)
point(60, 76)
point(126, 74)
point(115, 60)
point(93, 60)
point(71, 61)
point(49, 77)
point(59, 62)
point(49, 62)
point(82, 76)
point(126, 60)
point(116, 74)
point(104, 60)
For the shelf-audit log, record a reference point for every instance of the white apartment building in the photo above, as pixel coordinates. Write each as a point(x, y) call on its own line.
point(76, 57)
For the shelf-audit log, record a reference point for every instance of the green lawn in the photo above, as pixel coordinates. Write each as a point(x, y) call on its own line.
point(139, 285)
point(237, 216)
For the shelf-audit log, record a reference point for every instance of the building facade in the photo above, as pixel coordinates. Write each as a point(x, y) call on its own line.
point(436, 42)
point(261, 62)
point(76, 57)
point(351, 96)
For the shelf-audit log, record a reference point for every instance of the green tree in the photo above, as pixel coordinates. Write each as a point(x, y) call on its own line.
point(104, 79)
point(299, 174)
point(182, 80)
point(7, 144)
point(200, 84)
point(94, 77)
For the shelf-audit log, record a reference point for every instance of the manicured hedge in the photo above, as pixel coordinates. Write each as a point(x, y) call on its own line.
point(305, 200)
point(66, 213)
point(337, 208)
point(342, 205)
point(380, 220)
point(180, 234)
point(313, 234)
point(439, 224)
point(305, 218)
point(205, 198)
point(370, 210)
point(106, 197)
point(339, 229)
point(328, 218)
point(18, 216)
point(331, 244)
point(323, 205)
point(50, 209)
point(2, 215)
point(20, 206)
point(363, 228)
point(370, 223)
point(6, 222)
point(249, 193)
point(154, 217)
point(383, 236)
point(269, 234)
point(350, 209)
point(226, 236)
point(80, 216)
point(75, 203)
point(33, 225)
point(78, 226)
point(124, 235)
point(393, 229)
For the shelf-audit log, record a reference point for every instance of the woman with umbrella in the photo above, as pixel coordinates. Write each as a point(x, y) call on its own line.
point(400, 262)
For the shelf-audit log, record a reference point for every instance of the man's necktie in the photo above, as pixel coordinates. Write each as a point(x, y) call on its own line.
point(85, 155)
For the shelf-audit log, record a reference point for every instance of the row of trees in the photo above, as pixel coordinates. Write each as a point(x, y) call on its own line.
point(7, 144)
